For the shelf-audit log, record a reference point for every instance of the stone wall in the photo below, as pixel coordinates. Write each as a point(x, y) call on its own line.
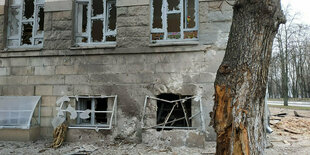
point(131, 70)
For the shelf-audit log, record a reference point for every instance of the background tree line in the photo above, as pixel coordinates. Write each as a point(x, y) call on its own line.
point(289, 72)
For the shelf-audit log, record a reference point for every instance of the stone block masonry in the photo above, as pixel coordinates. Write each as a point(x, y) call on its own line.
point(132, 69)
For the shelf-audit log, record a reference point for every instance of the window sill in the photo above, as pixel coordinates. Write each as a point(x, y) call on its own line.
point(79, 47)
point(173, 43)
point(21, 49)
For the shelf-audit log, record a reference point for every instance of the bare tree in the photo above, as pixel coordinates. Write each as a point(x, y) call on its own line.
point(241, 79)
point(290, 56)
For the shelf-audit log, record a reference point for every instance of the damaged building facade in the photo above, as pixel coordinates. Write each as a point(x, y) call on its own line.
point(140, 70)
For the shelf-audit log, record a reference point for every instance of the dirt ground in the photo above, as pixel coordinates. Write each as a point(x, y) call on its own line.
point(291, 136)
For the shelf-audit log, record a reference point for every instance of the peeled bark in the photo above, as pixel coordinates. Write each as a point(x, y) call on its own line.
point(240, 85)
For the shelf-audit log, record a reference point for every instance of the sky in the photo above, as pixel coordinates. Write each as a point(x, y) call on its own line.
point(302, 7)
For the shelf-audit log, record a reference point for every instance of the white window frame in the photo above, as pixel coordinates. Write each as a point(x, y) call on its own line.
point(166, 12)
point(104, 17)
point(20, 6)
point(112, 120)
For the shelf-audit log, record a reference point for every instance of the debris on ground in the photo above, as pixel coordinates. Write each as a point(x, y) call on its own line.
point(294, 125)
point(85, 149)
point(291, 133)
point(279, 142)
point(280, 115)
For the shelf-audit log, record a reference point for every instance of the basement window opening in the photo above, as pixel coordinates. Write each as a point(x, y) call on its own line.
point(178, 110)
point(96, 108)
point(174, 20)
point(25, 23)
point(87, 112)
point(95, 22)
point(173, 111)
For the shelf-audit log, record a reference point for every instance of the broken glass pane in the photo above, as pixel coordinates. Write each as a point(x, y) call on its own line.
point(85, 105)
point(110, 38)
point(157, 36)
point(82, 18)
point(190, 35)
point(97, 31)
point(40, 20)
point(81, 39)
point(14, 22)
point(111, 16)
point(38, 41)
point(28, 9)
point(97, 7)
point(190, 16)
point(173, 23)
point(157, 14)
point(173, 5)
point(101, 105)
point(27, 33)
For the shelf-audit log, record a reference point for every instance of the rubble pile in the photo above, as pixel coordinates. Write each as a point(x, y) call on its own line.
point(294, 125)
point(291, 124)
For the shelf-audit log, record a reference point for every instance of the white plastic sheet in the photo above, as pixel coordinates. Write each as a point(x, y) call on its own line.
point(17, 111)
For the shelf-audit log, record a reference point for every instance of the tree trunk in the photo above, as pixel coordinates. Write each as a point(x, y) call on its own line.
point(241, 79)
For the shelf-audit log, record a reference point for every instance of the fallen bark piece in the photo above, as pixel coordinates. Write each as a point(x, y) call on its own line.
point(291, 131)
point(297, 115)
point(280, 114)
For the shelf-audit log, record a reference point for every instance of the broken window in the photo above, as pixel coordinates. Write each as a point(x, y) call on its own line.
point(95, 21)
point(172, 111)
point(174, 20)
point(86, 112)
point(95, 106)
point(25, 23)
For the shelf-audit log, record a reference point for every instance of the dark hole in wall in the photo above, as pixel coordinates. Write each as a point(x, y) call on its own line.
point(97, 30)
point(97, 7)
point(157, 13)
point(41, 19)
point(164, 108)
point(27, 34)
point(28, 9)
point(112, 16)
point(102, 105)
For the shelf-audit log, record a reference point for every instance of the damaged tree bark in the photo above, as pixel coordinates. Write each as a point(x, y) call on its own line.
point(240, 85)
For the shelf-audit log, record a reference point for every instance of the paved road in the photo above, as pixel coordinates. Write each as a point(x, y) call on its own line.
point(290, 103)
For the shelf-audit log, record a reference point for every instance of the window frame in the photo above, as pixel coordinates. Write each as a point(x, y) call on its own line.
point(89, 17)
point(150, 110)
point(165, 13)
point(22, 20)
point(111, 120)
point(80, 104)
